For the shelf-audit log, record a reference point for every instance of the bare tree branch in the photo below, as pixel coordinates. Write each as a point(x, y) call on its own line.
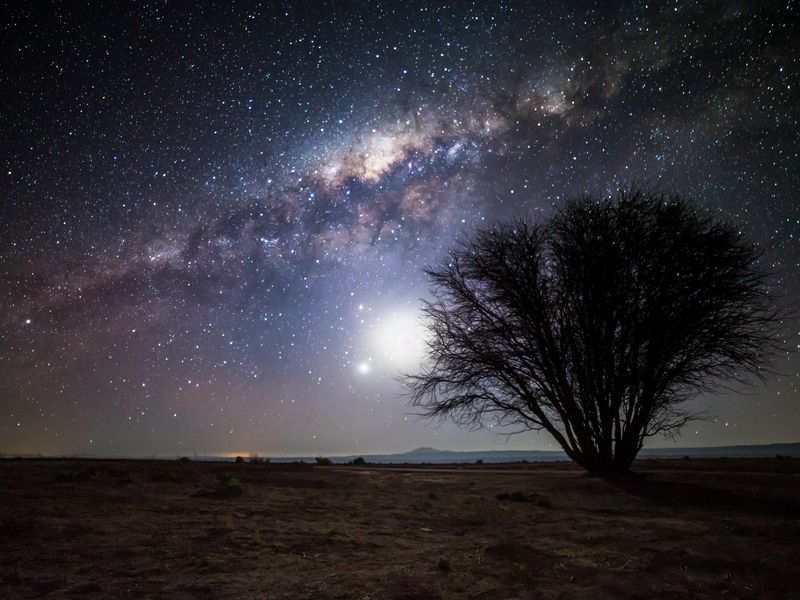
point(596, 326)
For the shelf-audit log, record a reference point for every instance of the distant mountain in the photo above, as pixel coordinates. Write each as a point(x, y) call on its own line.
point(425, 450)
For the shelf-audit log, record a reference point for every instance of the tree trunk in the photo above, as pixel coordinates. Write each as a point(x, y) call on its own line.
point(600, 463)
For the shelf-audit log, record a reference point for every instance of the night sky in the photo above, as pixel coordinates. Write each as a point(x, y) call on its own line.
point(213, 220)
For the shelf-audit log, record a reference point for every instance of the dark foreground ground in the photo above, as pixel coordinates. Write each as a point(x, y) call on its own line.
point(127, 529)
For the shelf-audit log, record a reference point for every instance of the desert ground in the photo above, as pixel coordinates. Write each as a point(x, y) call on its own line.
point(169, 529)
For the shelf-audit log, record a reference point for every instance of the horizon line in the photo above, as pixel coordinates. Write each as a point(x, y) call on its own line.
point(313, 455)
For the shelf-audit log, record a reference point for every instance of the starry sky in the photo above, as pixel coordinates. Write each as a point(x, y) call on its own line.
point(213, 220)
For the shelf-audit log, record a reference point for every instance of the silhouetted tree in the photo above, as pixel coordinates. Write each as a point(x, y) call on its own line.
point(595, 326)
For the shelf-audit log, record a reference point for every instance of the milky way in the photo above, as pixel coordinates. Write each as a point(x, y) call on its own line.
point(214, 221)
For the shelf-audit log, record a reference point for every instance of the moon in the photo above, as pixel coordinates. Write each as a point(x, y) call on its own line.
point(399, 340)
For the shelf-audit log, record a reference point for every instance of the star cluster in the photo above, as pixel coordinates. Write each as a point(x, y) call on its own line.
point(214, 221)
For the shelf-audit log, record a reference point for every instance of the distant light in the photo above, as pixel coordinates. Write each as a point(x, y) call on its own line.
point(363, 368)
point(27, 321)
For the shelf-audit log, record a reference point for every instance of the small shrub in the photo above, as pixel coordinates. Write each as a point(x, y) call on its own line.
point(184, 459)
point(359, 461)
point(323, 461)
point(239, 459)
point(232, 489)
point(432, 496)
point(443, 563)
point(479, 461)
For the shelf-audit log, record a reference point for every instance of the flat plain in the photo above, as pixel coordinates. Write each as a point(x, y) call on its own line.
point(700, 528)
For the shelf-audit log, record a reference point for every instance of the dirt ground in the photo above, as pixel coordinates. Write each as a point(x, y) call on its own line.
point(168, 529)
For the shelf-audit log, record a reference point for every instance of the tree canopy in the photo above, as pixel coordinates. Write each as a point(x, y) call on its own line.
point(596, 325)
